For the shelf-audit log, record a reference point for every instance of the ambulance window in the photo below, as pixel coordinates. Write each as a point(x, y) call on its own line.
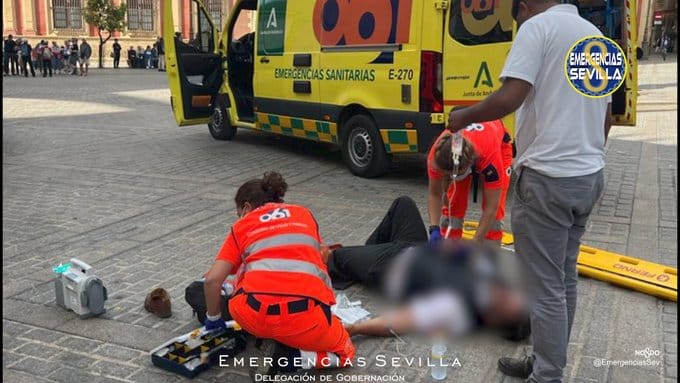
point(201, 30)
point(245, 24)
point(476, 22)
point(206, 43)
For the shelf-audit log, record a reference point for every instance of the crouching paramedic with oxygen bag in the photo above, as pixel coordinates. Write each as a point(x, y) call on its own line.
point(282, 292)
point(484, 149)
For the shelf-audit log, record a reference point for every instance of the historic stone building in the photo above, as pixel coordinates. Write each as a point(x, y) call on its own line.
point(58, 20)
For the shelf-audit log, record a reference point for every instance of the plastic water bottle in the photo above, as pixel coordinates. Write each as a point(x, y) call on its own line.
point(438, 370)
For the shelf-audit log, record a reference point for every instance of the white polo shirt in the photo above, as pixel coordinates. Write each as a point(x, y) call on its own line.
point(558, 132)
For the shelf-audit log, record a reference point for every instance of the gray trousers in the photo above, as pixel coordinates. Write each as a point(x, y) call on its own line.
point(549, 216)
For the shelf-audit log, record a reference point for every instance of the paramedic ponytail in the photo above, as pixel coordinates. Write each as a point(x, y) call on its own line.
point(257, 192)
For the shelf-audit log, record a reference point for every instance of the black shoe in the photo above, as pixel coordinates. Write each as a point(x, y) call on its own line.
point(269, 348)
point(518, 368)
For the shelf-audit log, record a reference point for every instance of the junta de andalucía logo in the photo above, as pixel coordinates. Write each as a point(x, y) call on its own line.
point(596, 66)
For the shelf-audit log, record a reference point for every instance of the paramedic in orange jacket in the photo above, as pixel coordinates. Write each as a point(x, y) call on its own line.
point(487, 150)
point(282, 292)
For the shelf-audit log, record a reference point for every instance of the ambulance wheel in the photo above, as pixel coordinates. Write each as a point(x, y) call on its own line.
point(219, 125)
point(362, 148)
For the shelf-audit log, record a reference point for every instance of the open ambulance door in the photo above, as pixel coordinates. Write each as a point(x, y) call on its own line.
point(624, 31)
point(195, 69)
point(617, 19)
point(477, 40)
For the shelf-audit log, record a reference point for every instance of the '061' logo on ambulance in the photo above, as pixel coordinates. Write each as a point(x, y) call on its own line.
point(277, 213)
point(355, 22)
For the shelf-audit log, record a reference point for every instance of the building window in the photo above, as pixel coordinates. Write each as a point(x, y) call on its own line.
point(67, 14)
point(140, 15)
point(214, 8)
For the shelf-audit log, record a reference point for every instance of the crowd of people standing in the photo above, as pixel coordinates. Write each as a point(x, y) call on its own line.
point(151, 57)
point(20, 58)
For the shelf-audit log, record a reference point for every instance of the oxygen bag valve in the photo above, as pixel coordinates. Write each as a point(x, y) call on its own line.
point(456, 152)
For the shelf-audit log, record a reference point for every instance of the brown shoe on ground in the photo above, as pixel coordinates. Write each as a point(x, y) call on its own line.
point(158, 303)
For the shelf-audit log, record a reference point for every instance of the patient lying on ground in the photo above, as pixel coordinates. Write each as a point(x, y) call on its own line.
point(455, 288)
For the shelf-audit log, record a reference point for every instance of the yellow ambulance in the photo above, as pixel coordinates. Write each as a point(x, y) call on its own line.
point(375, 77)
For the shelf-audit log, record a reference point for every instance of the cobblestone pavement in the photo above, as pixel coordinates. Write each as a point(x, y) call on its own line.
point(96, 168)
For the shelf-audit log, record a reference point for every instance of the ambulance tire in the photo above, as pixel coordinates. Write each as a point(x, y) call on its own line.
point(362, 148)
point(219, 125)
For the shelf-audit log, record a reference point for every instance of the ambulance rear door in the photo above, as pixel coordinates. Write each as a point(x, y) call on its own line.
point(477, 40)
point(622, 27)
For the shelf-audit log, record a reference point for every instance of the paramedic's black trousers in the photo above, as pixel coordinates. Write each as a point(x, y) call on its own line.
point(401, 227)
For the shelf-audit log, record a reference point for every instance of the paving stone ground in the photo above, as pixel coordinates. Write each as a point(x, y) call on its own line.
point(96, 168)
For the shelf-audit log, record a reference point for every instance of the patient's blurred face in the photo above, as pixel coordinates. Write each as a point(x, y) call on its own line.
point(506, 306)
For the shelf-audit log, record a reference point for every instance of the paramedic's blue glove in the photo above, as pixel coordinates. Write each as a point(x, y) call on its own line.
point(215, 324)
point(435, 235)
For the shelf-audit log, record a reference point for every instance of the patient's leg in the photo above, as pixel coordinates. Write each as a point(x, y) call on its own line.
point(402, 223)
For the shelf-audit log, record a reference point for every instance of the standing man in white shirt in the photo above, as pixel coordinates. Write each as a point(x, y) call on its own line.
point(560, 138)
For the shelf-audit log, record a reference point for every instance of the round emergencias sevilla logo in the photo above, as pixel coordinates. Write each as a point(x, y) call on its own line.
point(596, 66)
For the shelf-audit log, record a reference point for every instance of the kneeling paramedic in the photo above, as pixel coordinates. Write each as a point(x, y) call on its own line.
point(486, 149)
point(283, 292)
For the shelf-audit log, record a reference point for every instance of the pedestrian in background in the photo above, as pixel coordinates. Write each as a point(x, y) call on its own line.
point(10, 61)
point(116, 53)
point(560, 157)
point(56, 58)
point(147, 57)
point(66, 54)
point(25, 50)
point(132, 57)
point(140, 57)
point(36, 56)
point(17, 49)
point(74, 58)
point(154, 56)
point(161, 54)
point(665, 44)
point(46, 57)
point(85, 54)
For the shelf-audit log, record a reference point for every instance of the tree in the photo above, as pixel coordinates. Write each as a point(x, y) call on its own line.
point(108, 18)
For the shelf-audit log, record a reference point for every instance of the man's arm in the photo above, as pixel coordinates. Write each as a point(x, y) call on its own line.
point(492, 200)
point(219, 271)
point(400, 322)
point(607, 121)
point(499, 104)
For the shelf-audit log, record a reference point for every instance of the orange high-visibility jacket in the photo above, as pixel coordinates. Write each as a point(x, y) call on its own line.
point(276, 250)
